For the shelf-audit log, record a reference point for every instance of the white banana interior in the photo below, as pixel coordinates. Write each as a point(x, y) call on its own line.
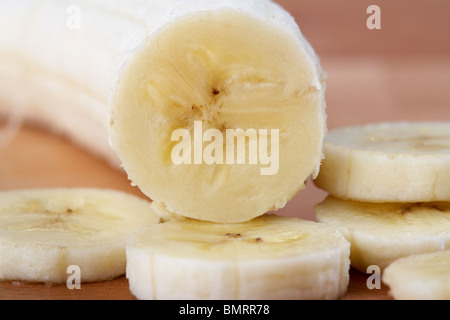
point(42, 232)
point(388, 162)
point(269, 257)
point(380, 233)
point(420, 277)
point(228, 70)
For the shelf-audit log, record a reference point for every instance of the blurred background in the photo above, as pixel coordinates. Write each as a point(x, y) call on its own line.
point(400, 72)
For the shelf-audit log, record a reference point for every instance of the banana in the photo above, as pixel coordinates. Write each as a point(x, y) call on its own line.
point(381, 233)
point(388, 162)
point(269, 257)
point(124, 78)
point(165, 214)
point(43, 232)
point(420, 277)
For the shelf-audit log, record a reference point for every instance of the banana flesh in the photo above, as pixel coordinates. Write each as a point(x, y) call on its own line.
point(388, 162)
point(381, 233)
point(227, 79)
point(420, 277)
point(43, 232)
point(269, 257)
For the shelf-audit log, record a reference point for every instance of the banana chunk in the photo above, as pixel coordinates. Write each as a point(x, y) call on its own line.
point(220, 117)
point(388, 162)
point(43, 232)
point(381, 233)
point(420, 277)
point(269, 257)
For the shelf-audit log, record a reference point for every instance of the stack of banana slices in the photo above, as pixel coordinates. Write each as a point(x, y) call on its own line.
point(139, 83)
point(389, 194)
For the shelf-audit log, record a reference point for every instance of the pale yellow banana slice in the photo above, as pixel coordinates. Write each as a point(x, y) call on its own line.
point(420, 277)
point(380, 233)
point(43, 232)
point(388, 162)
point(143, 69)
point(269, 257)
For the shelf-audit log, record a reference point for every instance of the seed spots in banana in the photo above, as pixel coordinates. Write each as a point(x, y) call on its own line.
point(197, 113)
point(411, 207)
point(215, 92)
point(210, 116)
point(240, 237)
point(439, 208)
point(233, 235)
point(55, 220)
point(223, 127)
point(406, 209)
point(63, 220)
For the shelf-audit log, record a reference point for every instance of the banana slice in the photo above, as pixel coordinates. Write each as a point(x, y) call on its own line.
point(42, 232)
point(381, 233)
point(420, 277)
point(133, 72)
point(269, 257)
point(388, 162)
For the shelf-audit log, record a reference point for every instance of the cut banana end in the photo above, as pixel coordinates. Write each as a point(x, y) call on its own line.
point(420, 277)
point(388, 162)
point(382, 233)
point(220, 77)
point(43, 232)
point(269, 257)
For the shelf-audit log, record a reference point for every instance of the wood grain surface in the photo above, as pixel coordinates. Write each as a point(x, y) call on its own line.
point(401, 72)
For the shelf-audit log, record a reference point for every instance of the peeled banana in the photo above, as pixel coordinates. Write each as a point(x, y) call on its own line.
point(236, 78)
point(43, 232)
point(388, 162)
point(269, 257)
point(381, 233)
point(420, 277)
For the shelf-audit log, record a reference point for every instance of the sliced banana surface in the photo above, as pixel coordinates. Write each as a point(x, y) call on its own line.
point(43, 232)
point(269, 257)
point(388, 162)
point(420, 277)
point(198, 88)
point(382, 233)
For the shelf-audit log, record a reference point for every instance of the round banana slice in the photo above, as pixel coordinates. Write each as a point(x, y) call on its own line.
point(420, 277)
point(220, 116)
point(269, 257)
point(381, 233)
point(43, 232)
point(388, 162)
